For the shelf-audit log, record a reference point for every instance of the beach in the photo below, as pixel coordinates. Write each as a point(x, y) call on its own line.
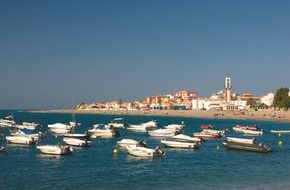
point(266, 115)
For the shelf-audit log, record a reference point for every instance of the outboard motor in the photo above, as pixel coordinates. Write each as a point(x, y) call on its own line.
point(116, 132)
point(142, 144)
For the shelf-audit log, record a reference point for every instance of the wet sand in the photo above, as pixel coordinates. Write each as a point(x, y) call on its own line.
point(269, 115)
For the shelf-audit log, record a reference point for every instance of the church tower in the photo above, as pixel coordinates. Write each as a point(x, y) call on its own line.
point(228, 89)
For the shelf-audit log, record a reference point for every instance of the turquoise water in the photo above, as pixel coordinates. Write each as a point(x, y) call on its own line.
point(96, 167)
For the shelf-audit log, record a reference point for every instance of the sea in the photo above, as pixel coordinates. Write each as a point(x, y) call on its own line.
point(211, 166)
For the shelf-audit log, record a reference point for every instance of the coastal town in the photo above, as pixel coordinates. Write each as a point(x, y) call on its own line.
point(224, 100)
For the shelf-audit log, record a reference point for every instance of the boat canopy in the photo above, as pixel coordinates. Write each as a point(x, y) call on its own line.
point(100, 126)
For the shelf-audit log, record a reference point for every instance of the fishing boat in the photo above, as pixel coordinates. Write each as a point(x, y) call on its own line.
point(130, 142)
point(186, 138)
point(203, 135)
point(20, 140)
point(144, 152)
point(162, 132)
point(246, 145)
point(117, 123)
point(176, 143)
point(101, 130)
point(76, 142)
point(280, 131)
point(252, 132)
point(55, 149)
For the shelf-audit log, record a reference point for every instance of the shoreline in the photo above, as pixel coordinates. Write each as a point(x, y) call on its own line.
point(263, 115)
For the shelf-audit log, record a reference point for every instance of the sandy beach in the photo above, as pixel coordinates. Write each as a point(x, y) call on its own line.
point(268, 115)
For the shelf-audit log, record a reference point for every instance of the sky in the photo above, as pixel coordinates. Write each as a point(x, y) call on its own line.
point(55, 54)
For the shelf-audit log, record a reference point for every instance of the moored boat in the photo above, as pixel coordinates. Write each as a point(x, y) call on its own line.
point(162, 132)
point(2, 149)
point(20, 140)
point(117, 123)
point(76, 142)
point(28, 133)
point(7, 121)
point(280, 131)
point(186, 138)
point(175, 143)
point(246, 145)
point(55, 149)
point(101, 130)
point(130, 142)
point(144, 152)
point(84, 136)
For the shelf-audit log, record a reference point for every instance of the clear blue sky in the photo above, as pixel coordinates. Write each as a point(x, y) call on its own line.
point(55, 53)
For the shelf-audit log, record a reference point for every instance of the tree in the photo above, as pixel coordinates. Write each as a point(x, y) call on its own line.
point(252, 103)
point(281, 98)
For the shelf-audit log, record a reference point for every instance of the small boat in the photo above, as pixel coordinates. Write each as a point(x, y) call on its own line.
point(31, 126)
point(203, 135)
point(150, 124)
point(84, 136)
point(162, 132)
point(7, 121)
point(28, 133)
point(280, 131)
point(186, 138)
point(2, 149)
point(60, 128)
point(101, 130)
point(76, 142)
point(246, 145)
point(206, 127)
point(251, 132)
point(130, 142)
point(241, 128)
point(144, 152)
point(241, 140)
point(20, 140)
point(55, 149)
point(60, 131)
point(137, 128)
point(175, 126)
point(175, 143)
point(117, 123)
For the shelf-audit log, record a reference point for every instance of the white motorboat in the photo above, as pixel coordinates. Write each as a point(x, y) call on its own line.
point(59, 126)
point(20, 140)
point(117, 123)
point(7, 121)
point(84, 136)
point(144, 152)
point(241, 140)
point(55, 149)
point(137, 128)
point(28, 133)
point(130, 142)
point(186, 138)
point(150, 124)
point(174, 126)
point(101, 130)
point(214, 132)
point(76, 142)
point(31, 126)
point(60, 131)
point(251, 132)
point(280, 131)
point(162, 132)
point(175, 143)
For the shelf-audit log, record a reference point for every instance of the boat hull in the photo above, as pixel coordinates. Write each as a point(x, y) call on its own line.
point(247, 147)
point(176, 144)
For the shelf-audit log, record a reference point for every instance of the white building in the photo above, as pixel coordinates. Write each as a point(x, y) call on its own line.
point(210, 104)
point(267, 99)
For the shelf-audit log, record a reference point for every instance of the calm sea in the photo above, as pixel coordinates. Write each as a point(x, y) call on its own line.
point(95, 167)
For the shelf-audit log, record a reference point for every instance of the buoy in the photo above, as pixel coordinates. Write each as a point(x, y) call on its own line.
point(218, 147)
point(115, 151)
point(280, 143)
point(279, 134)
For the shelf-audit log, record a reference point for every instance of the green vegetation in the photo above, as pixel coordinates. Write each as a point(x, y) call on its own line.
point(281, 99)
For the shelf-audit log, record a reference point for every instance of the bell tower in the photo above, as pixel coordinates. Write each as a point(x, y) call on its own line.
point(228, 89)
